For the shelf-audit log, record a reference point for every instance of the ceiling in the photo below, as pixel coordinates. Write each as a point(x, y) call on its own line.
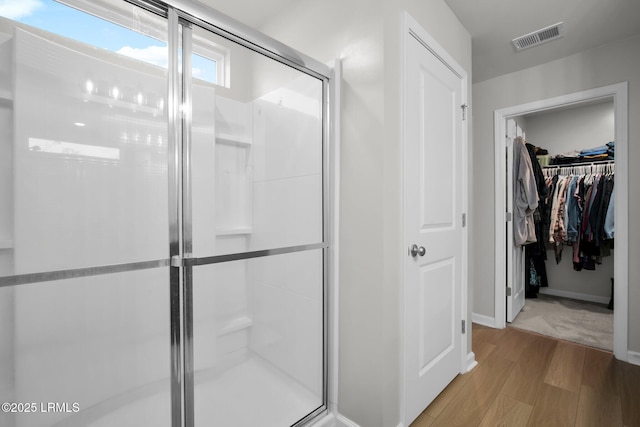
point(250, 12)
point(494, 23)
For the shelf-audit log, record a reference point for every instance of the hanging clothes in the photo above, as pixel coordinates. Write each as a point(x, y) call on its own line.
point(557, 230)
point(525, 195)
point(536, 253)
point(609, 229)
point(581, 199)
point(572, 211)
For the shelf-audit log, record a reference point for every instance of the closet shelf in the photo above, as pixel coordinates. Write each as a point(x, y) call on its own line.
point(6, 244)
point(233, 139)
point(231, 231)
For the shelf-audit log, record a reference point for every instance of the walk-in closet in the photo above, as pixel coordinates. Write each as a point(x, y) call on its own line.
point(563, 180)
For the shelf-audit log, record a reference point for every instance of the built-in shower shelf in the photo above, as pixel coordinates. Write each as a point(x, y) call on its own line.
point(231, 231)
point(235, 325)
point(233, 139)
point(6, 97)
point(6, 244)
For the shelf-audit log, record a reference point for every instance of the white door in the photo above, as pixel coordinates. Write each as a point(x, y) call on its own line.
point(433, 186)
point(515, 268)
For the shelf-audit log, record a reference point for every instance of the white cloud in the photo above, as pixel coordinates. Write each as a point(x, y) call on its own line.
point(156, 55)
point(16, 9)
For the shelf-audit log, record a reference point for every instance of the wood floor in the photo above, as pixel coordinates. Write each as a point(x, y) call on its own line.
point(524, 379)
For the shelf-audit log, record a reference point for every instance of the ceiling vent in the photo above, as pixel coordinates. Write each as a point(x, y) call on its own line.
point(538, 37)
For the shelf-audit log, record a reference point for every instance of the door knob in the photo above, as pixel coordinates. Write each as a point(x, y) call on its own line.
point(414, 250)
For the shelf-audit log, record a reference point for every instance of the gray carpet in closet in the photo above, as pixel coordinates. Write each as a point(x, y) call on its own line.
point(576, 321)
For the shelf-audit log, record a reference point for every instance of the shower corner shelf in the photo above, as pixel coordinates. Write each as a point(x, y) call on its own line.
point(232, 231)
point(235, 325)
point(6, 244)
point(6, 97)
point(224, 138)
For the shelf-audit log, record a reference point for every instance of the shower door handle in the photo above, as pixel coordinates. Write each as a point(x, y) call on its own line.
point(414, 250)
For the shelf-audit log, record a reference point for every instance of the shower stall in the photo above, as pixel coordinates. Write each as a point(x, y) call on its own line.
point(164, 220)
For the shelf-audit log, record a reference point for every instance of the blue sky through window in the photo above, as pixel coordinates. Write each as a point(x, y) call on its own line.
point(57, 18)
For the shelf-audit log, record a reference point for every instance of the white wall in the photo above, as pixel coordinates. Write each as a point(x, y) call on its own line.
point(612, 63)
point(575, 128)
point(559, 132)
point(366, 36)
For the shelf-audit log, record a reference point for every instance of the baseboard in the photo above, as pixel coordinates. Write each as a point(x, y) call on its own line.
point(329, 420)
point(342, 421)
point(633, 357)
point(334, 420)
point(574, 295)
point(471, 361)
point(483, 320)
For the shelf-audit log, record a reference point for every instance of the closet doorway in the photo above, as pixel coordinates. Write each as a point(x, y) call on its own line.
point(510, 291)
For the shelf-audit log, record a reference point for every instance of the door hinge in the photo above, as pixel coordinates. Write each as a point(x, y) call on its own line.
point(464, 219)
point(464, 326)
point(464, 111)
point(508, 291)
point(508, 216)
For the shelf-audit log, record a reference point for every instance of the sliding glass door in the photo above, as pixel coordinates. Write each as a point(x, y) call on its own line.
point(163, 230)
point(84, 290)
point(254, 229)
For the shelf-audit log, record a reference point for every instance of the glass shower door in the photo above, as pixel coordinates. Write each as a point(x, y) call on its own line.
point(84, 269)
point(253, 239)
point(163, 249)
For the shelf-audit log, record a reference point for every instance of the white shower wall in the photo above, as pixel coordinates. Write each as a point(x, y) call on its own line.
point(6, 215)
point(286, 291)
point(269, 306)
point(86, 340)
point(6, 147)
point(221, 175)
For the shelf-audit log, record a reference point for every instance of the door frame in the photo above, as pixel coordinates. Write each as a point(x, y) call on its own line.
point(412, 29)
point(618, 92)
point(514, 274)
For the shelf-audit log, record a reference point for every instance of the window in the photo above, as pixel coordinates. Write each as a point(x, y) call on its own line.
point(148, 45)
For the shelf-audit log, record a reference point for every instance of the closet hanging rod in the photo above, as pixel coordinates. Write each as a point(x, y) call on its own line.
point(601, 167)
point(569, 165)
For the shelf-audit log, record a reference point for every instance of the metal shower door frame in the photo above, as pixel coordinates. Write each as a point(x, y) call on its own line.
point(181, 16)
